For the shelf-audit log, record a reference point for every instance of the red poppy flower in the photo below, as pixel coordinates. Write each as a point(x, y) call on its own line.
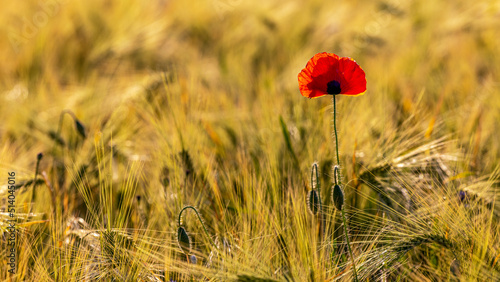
point(327, 73)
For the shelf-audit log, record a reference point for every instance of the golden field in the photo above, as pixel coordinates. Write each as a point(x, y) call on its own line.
point(143, 108)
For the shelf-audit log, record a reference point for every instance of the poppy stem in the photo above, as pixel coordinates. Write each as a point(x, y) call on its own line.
point(201, 221)
point(338, 181)
point(335, 130)
point(33, 191)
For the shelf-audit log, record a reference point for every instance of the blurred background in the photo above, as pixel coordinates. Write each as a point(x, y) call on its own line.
point(194, 91)
point(236, 59)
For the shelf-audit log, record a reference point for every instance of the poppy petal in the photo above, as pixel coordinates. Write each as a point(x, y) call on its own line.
point(355, 80)
point(327, 73)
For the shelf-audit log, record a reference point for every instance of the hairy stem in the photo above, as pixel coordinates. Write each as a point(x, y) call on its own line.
point(338, 181)
point(33, 192)
point(201, 221)
point(317, 185)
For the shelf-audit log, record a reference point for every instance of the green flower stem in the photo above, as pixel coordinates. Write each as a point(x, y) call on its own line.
point(335, 130)
point(58, 137)
point(314, 170)
point(61, 116)
point(337, 176)
point(201, 221)
point(59, 127)
point(33, 192)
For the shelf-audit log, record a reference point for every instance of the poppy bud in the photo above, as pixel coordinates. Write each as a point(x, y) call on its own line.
point(462, 195)
point(313, 203)
point(338, 197)
point(183, 240)
point(80, 128)
point(39, 156)
point(56, 137)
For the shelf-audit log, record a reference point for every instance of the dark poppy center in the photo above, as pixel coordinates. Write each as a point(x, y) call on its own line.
point(333, 87)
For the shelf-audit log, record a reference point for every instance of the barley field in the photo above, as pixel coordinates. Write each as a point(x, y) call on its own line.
point(168, 140)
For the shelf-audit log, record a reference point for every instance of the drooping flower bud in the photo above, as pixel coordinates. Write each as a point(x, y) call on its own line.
point(313, 202)
point(183, 240)
point(338, 197)
point(80, 128)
